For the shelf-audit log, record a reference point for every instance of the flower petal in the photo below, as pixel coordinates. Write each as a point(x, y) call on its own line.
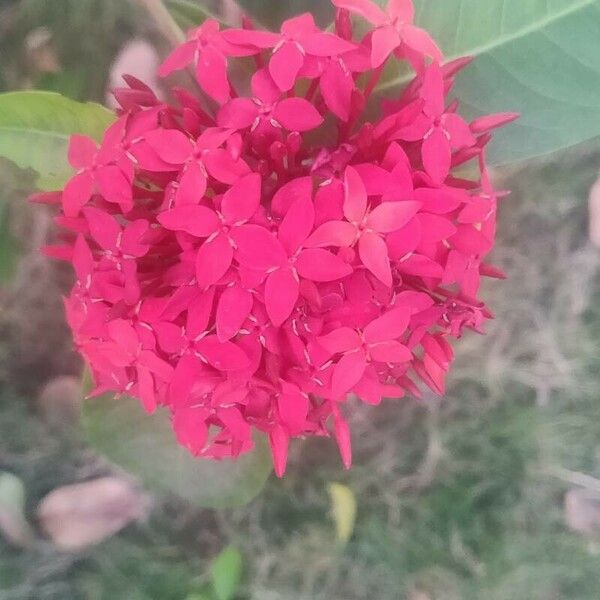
point(337, 86)
point(347, 373)
point(212, 261)
point(374, 255)
point(211, 72)
point(179, 59)
point(171, 145)
point(82, 151)
point(297, 114)
point(199, 221)
point(317, 264)
point(340, 234)
point(390, 352)
point(77, 193)
point(242, 199)
point(391, 216)
point(384, 41)
point(234, 306)
point(342, 339)
point(225, 356)
point(389, 326)
point(297, 224)
point(192, 185)
point(437, 155)
point(281, 295)
point(355, 196)
point(285, 65)
point(257, 247)
point(365, 8)
point(238, 113)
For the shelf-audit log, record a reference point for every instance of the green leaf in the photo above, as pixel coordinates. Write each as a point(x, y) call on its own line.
point(35, 128)
point(272, 14)
point(226, 573)
point(188, 13)
point(343, 511)
point(145, 445)
point(537, 57)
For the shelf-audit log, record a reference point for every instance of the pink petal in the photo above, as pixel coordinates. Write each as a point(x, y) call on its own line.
point(332, 233)
point(299, 26)
point(199, 221)
point(83, 261)
point(374, 255)
point(293, 408)
point(222, 166)
point(191, 430)
point(212, 261)
point(287, 194)
point(257, 247)
point(104, 228)
point(325, 44)
point(264, 88)
point(469, 240)
point(192, 185)
point(122, 332)
point(156, 365)
point(342, 339)
point(77, 193)
point(114, 186)
point(355, 196)
point(251, 37)
point(146, 389)
point(281, 294)
point(224, 356)
point(459, 131)
point(199, 313)
point(235, 305)
point(211, 72)
point(390, 352)
point(131, 242)
point(285, 65)
point(337, 86)
point(279, 441)
point(347, 373)
point(489, 122)
point(180, 58)
point(171, 145)
point(389, 326)
point(419, 40)
point(420, 265)
point(433, 90)
point(401, 10)
point(242, 199)
point(82, 151)
point(317, 264)
point(377, 181)
point(297, 224)
point(297, 114)
point(391, 216)
point(437, 155)
point(384, 41)
point(365, 8)
point(435, 228)
point(342, 437)
point(238, 113)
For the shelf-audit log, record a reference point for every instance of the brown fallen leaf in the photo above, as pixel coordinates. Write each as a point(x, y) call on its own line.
point(83, 514)
point(594, 216)
point(582, 511)
point(59, 402)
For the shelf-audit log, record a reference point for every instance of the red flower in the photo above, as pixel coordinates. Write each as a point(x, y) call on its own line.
point(251, 264)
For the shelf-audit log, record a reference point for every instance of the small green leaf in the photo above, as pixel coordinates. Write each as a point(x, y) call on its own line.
point(343, 511)
point(35, 128)
point(145, 446)
point(537, 57)
point(226, 573)
point(13, 523)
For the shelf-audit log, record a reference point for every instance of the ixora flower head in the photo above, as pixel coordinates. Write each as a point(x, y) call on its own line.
point(253, 254)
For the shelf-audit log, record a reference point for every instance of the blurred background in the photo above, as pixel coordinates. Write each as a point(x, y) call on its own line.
point(491, 492)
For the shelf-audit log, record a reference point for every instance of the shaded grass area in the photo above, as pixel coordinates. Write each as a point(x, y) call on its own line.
point(458, 499)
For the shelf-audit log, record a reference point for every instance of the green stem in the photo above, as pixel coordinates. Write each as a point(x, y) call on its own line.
point(164, 21)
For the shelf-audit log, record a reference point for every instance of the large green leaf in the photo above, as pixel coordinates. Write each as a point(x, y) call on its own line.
point(145, 446)
point(35, 128)
point(188, 13)
point(537, 57)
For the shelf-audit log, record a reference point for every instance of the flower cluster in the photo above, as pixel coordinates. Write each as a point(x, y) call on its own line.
point(251, 254)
